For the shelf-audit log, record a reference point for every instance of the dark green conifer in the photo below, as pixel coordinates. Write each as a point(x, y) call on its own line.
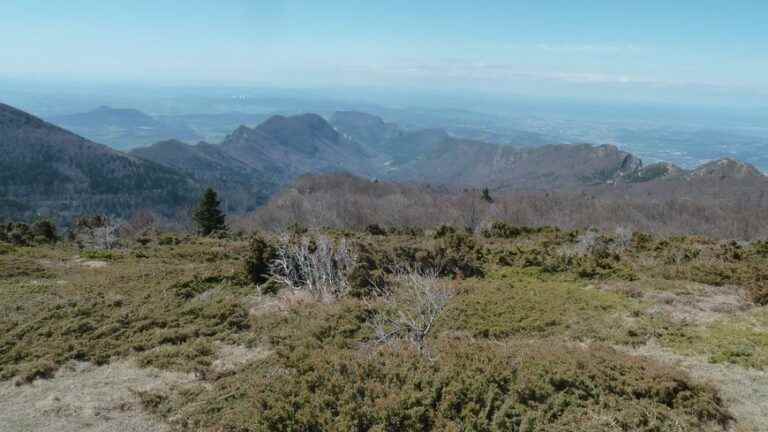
point(208, 216)
point(487, 195)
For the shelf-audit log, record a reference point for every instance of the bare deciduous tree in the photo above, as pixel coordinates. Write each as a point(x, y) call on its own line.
point(343, 201)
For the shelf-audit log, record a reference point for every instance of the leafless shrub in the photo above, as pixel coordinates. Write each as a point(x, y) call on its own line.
point(585, 245)
point(320, 266)
point(593, 243)
point(411, 308)
point(96, 232)
point(623, 238)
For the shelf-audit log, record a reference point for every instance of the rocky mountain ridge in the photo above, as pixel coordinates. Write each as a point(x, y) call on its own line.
point(58, 171)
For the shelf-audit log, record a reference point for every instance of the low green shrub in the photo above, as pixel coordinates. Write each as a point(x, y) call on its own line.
point(168, 240)
point(456, 254)
point(21, 234)
point(368, 273)
point(444, 230)
point(641, 241)
point(189, 289)
point(40, 369)
point(501, 230)
point(193, 356)
point(483, 387)
point(760, 248)
point(259, 259)
point(6, 248)
point(731, 251)
point(405, 231)
point(44, 231)
point(375, 229)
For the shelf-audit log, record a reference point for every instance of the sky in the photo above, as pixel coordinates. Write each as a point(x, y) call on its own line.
point(709, 52)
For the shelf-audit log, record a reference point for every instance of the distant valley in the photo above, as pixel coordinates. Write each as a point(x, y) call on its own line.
point(125, 128)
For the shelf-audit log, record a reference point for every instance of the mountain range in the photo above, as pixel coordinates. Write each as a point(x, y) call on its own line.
point(45, 167)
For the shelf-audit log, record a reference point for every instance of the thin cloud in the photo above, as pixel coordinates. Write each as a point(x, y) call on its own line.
point(587, 48)
point(454, 69)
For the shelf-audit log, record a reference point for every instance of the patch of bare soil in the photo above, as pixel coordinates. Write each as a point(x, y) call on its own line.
point(693, 303)
point(74, 262)
point(745, 391)
point(705, 307)
point(84, 397)
point(94, 264)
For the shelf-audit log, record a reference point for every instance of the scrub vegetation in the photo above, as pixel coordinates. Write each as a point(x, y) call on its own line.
point(394, 328)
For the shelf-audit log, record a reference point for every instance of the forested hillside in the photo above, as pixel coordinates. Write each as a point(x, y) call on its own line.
point(47, 170)
point(723, 207)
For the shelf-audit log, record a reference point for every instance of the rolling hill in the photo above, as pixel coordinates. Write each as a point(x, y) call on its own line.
point(45, 169)
point(124, 128)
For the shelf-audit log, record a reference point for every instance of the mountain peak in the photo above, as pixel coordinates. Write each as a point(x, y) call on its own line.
point(726, 168)
point(300, 132)
point(357, 118)
point(241, 131)
point(305, 123)
point(108, 110)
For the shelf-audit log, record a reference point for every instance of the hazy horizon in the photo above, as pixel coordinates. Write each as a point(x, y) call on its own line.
point(686, 53)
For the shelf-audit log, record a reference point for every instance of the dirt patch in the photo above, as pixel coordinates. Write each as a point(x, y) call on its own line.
point(745, 391)
point(705, 307)
point(74, 262)
point(94, 264)
point(84, 397)
point(688, 302)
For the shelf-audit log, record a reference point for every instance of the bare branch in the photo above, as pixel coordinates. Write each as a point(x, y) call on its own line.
point(320, 266)
point(411, 309)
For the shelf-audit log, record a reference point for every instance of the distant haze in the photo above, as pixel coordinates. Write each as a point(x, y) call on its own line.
point(684, 52)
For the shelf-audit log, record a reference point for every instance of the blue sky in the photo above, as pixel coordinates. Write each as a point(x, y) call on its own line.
point(696, 50)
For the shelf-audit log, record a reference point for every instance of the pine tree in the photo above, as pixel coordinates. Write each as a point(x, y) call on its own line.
point(208, 216)
point(487, 195)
